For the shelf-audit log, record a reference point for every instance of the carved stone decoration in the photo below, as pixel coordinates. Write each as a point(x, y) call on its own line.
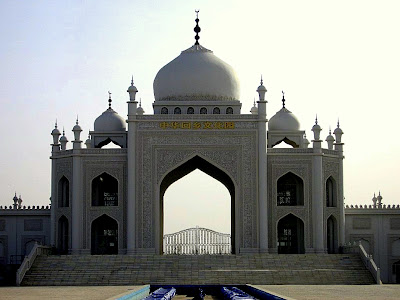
point(230, 151)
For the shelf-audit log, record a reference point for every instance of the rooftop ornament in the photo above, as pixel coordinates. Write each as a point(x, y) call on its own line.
point(197, 28)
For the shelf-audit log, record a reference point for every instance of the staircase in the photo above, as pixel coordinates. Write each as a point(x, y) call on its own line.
point(204, 269)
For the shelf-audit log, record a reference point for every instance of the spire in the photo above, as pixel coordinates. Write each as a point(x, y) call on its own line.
point(132, 81)
point(316, 119)
point(261, 81)
point(55, 125)
point(197, 28)
point(283, 99)
point(109, 99)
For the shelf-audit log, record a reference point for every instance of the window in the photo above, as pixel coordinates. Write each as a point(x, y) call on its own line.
point(330, 188)
point(190, 111)
point(203, 111)
point(229, 110)
point(290, 190)
point(164, 111)
point(104, 191)
point(216, 111)
point(177, 111)
point(63, 192)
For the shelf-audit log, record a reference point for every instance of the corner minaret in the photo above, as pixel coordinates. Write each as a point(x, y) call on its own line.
point(262, 170)
point(131, 182)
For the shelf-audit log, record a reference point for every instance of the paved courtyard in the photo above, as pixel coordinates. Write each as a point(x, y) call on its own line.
point(299, 292)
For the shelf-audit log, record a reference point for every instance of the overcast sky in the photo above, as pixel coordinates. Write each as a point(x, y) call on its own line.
point(337, 59)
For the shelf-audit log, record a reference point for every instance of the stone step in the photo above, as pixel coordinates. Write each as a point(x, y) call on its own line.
point(221, 269)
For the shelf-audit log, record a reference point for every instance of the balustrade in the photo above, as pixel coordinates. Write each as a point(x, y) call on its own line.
point(197, 241)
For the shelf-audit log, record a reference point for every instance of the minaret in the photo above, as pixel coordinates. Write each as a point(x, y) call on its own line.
point(77, 143)
point(19, 202)
point(15, 199)
point(63, 141)
point(88, 142)
point(305, 141)
point(254, 109)
point(330, 140)
point(140, 110)
point(338, 146)
point(317, 199)
point(262, 168)
point(131, 203)
point(379, 198)
point(374, 201)
point(56, 135)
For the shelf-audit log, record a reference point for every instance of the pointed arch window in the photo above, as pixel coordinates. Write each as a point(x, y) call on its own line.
point(229, 110)
point(190, 111)
point(331, 194)
point(290, 190)
point(177, 111)
point(203, 111)
point(63, 192)
point(164, 111)
point(216, 111)
point(105, 190)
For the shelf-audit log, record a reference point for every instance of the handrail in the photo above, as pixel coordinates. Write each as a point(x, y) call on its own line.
point(367, 259)
point(29, 260)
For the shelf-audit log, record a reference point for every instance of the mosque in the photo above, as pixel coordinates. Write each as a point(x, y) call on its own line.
point(283, 200)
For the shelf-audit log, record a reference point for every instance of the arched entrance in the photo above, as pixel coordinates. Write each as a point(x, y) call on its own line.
point(63, 237)
point(290, 235)
point(331, 235)
point(104, 235)
point(211, 170)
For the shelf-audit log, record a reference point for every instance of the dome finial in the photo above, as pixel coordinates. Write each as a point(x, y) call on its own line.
point(109, 99)
point(338, 123)
point(55, 126)
point(316, 119)
point(283, 99)
point(197, 28)
point(261, 81)
point(77, 120)
point(132, 81)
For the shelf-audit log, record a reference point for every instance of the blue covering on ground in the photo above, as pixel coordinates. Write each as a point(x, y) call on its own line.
point(233, 293)
point(161, 294)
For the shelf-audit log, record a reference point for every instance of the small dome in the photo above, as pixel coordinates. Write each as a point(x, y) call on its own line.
point(196, 74)
point(316, 127)
point(140, 110)
point(132, 89)
point(254, 110)
point(284, 120)
point(63, 139)
point(338, 130)
point(77, 127)
point(55, 131)
point(330, 137)
point(109, 121)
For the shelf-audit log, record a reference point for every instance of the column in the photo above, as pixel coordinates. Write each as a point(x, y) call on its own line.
point(262, 175)
point(77, 199)
point(317, 199)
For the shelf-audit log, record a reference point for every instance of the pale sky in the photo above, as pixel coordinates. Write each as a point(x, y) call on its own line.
point(337, 59)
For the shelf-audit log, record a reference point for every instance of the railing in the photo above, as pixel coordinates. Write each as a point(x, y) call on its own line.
point(197, 241)
point(366, 259)
point(29, 260)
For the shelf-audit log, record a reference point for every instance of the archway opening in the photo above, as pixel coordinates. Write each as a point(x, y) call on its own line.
point(104, 235)
point(105, 190)
point(63, 192)
point(331, 193)
point(290, 235)
point(63, 237)
point(208, 200)
point(331, 235)
point(290, 190)
point(109, 144)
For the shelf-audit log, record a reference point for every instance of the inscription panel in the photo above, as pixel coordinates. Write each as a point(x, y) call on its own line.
point(361, 223)
point(395, 223)
point(33, 225)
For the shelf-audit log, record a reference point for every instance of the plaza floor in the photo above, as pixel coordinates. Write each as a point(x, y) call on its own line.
point(299, 292)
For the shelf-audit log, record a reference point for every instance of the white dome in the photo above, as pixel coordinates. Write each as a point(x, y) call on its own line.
point(109, 121)
point(284, 120)
point(196, 74)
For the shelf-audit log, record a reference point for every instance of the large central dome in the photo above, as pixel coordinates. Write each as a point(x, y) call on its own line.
point(196, 74)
